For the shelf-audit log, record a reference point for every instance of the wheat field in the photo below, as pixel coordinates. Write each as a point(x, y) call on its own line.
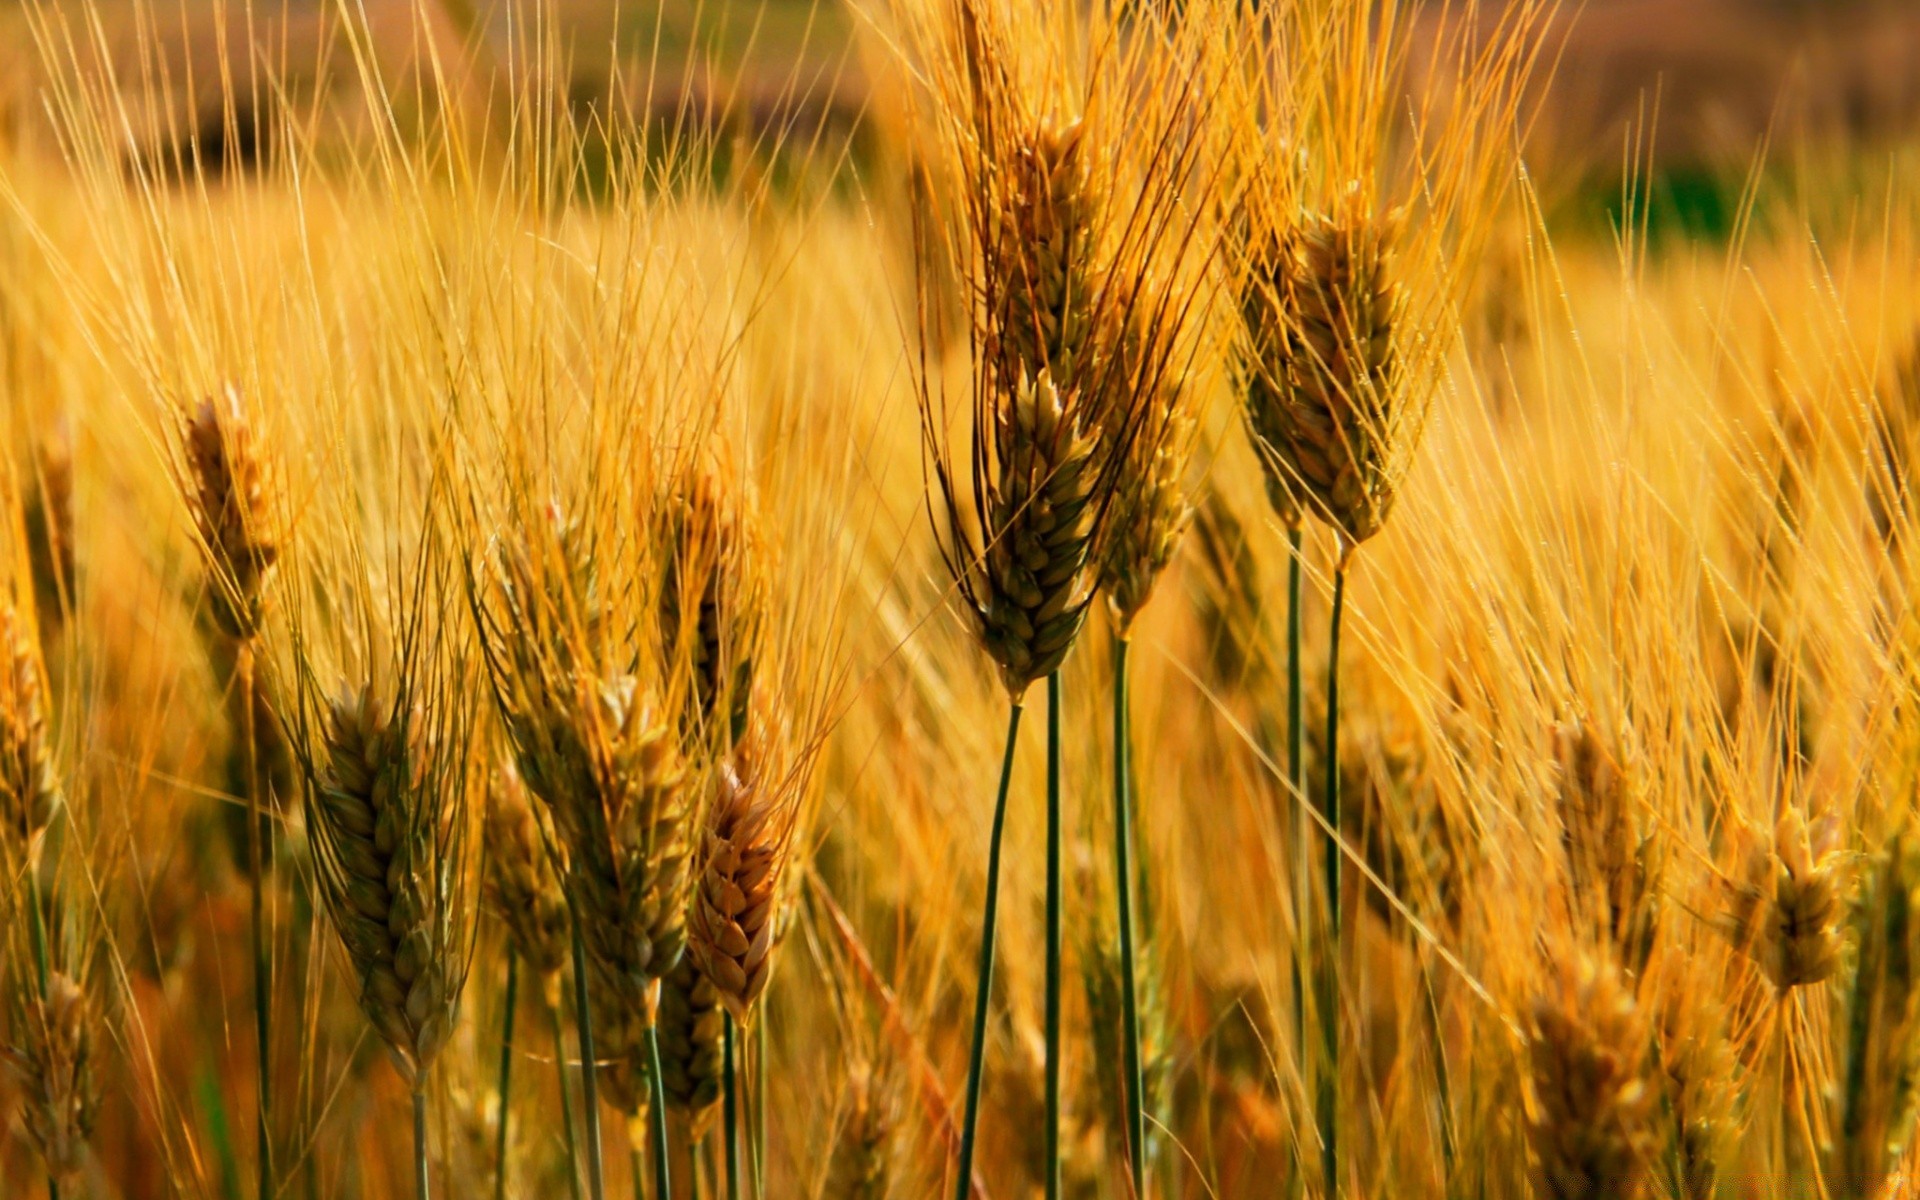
point(1086, 601)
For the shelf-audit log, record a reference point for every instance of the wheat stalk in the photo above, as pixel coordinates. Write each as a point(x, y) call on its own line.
point(229, 492)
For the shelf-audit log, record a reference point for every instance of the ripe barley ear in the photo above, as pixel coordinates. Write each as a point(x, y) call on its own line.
point(1592, 1111)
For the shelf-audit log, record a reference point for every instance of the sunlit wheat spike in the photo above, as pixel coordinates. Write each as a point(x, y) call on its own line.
point(1268, 350)
point(1332, 424)
point(380, 820)
point(712, 602)
point(732, 926)
point(52, 1059)
point(1150, 446)
point(691, 1051)
point(1039, 242)
point(29, 787)
point(1613, 868)
point(1784, 912)
point(228, 490)
point(1877, 1092)
point(1031, 593)
point(521, 885)
point(1592, 1118)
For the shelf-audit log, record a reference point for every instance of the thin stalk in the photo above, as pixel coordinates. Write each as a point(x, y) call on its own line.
point(694, 1156)
point(636, 1169)
point(39, 926)
point(566, 1102)
point(420, 1181)
point(1327, 1100)
point(256, 871)
point(757, 1110)
point(506, 1075)
point(662, 1177)
point(1054, 939)
point(589, 1087)
point(1123, 888)
point(984, 976)
point(729, 1111)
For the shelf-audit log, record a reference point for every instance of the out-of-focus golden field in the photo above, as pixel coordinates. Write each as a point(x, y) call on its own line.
point(651, 509)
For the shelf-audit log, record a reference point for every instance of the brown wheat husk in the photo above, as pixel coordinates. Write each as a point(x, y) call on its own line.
point(1784, 912)
point(226, 480)
point(732, 925)
point(29, 787)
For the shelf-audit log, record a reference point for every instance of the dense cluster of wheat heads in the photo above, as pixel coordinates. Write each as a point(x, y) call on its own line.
point(510, 619)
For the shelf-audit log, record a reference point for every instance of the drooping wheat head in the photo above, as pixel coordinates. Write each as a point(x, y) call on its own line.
point(1881, 1079)
point(1784, 912)
point(29, 787)
point(1592, 1116)
point(521, 884)
point(227, 483)
point(53, 1059)
point(385, 811)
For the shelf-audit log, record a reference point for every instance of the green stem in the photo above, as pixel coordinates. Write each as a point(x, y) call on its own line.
point(506, 1075)
point(1123, 887)
point(662, 1177)
point(636, 1170)
point(41, 966)
point(256, 872)
point(1327, 1104)
point(729, 1112)
point(566, 1102)
point(1054, 924)
point(694, 1147)
point(757, 1110)
point(420, 1140)
point(984, 977)
point(589, 1086)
